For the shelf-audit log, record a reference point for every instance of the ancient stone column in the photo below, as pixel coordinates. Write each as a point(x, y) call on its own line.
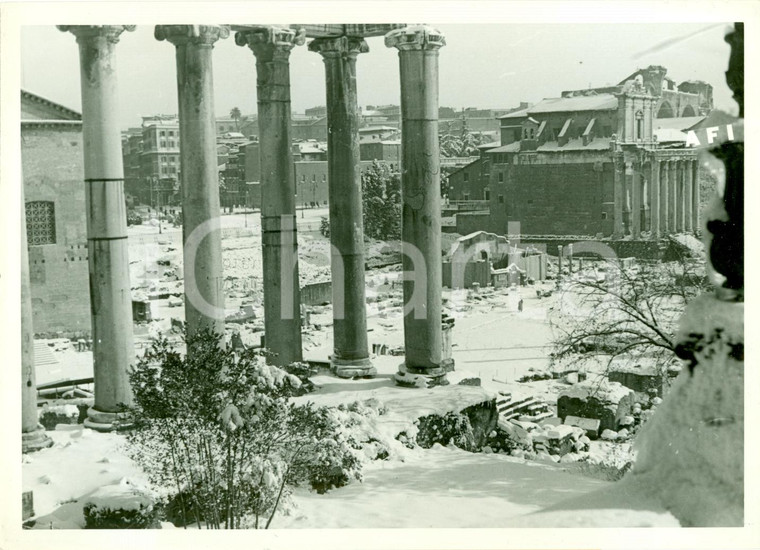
point(687, 198)
point(559, 262)
point(618, 193)
point(628, 187)
point(33, 435)
point(635, 202)
point(646, 201)
point(350, 346)
point(282, 294)
point(680, 201)
point(202, 251)
point(421, 205)
point(110, 294)
point(655, 194)
point(673, 178)
point(695, 196)
point(570, 258)
point(665, 198)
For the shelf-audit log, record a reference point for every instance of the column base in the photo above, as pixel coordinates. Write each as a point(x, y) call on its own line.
point(422, 377)
point(35, 440)
point(107, 422)
point(352, 368)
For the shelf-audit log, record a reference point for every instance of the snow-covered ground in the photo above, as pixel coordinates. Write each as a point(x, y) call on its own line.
point(439, 487)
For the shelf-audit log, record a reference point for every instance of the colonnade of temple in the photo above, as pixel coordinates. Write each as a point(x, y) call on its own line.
point(659, 196)
point(204, 299)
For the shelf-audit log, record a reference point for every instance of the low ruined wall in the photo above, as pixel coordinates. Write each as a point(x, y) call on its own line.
point(316, 294)
point(474, 272)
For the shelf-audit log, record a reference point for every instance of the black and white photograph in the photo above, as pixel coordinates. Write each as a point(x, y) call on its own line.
point(345, 266)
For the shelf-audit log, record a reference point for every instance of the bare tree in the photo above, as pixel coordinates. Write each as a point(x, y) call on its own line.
point(614, 312)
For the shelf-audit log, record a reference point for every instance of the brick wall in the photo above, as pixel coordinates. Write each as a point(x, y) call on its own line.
point(567, 196)
point(53, 171)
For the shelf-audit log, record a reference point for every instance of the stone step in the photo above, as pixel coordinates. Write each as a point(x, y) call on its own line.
point(43, 355)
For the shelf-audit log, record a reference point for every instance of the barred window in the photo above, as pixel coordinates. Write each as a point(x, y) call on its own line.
point(40, 222)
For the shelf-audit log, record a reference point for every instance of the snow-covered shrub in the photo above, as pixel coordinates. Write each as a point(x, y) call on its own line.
point(121, 506)
point(217, 432)
point(303, 371)
point(453, 428)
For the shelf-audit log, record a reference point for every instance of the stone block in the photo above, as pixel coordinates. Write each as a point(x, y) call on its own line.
point(589, 425)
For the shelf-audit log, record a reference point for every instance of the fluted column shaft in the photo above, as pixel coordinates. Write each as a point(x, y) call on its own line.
point(110, 293)
point(202, 251)
point(350, 343)
point(282, 295)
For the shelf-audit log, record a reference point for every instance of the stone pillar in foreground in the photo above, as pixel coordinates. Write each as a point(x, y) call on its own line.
point(110, 293)
point(282, 294)
point(202, 251)
point(350, 345)
point(421, 205)
point(559, 262)
point(687, 198)
point(33, 435)
point(655, 199)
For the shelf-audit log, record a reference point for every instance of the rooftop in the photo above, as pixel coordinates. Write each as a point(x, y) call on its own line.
point(600, 102)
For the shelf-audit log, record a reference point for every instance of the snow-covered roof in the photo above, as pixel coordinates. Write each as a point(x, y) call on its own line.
point(599, 102)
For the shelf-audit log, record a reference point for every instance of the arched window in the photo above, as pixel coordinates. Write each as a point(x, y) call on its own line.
point(40, 222)
point(639, 125)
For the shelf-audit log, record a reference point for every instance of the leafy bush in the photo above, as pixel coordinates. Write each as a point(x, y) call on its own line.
point(216, 430)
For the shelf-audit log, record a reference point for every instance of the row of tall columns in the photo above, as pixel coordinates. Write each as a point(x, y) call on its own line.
point(663, 199)
point(204, 299)
point(675, 199)
point(110, 291)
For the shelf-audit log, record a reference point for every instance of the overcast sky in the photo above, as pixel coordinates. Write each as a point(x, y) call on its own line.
point(495, 66)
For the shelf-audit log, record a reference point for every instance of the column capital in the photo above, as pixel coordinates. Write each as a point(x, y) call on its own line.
point(270, 38)
point(415, 37)
point(111, 33)
point(341, 46)
point(204, 35)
